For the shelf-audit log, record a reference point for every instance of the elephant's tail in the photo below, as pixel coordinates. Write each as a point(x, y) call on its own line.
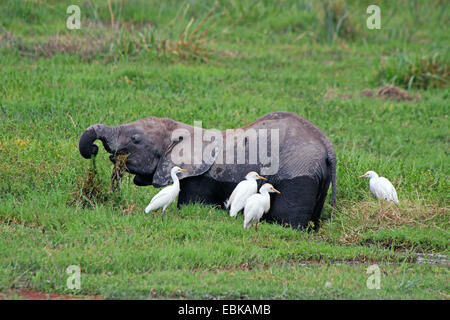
point(227, 203)
point(332, 162)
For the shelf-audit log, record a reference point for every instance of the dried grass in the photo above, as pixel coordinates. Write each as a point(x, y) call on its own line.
point(357, 218)
point(86, 48)
point(191, 42)
point(89, 191)
point(389, 92)
point(333, 93)
point(394, 93)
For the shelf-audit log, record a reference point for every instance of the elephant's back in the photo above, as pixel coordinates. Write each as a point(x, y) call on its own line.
point(304, 148)
point(302, 154)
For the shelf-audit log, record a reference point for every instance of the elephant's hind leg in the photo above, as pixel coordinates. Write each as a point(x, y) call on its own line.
point(295, 205)
point(323, 191)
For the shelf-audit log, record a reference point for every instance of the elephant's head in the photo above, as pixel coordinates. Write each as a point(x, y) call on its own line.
point(149, 145)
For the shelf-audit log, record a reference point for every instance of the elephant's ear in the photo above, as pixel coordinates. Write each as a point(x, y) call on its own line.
point(190, 148)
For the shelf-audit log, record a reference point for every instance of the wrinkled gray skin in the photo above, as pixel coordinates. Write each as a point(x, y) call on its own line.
point(307, 163)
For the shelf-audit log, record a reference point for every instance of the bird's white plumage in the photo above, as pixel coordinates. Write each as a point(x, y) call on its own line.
point(167, 195)
point(257, 205)
point(240, 195)
point(162, 199)
point(242, 192)
point(381, 187)
point(254, 209)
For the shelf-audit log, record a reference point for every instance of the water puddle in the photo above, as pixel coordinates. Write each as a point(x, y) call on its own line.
point(432, 258)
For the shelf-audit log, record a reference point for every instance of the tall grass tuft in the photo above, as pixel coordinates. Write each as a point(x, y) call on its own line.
point(336, 20)
point(414, 71)
point(178, 39)
point(191, 42)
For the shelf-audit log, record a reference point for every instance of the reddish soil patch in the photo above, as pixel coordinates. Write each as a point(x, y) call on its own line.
point(37, 295)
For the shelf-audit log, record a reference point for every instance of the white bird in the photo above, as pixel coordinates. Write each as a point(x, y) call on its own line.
point(242, 192)
point(257, 205)
point(381, 187)
point(166, 196)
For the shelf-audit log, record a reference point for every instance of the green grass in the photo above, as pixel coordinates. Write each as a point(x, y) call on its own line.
point(261, 56)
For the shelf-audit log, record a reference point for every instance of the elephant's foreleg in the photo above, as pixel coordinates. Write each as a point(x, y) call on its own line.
point(199, 189)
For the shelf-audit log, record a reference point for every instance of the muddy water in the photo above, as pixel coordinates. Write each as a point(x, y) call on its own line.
point(422, 258)
point(432, 258)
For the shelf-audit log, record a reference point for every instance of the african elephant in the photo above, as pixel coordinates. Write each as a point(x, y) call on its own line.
point(299, 160)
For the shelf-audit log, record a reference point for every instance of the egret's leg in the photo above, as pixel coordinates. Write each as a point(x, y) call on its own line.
point(162, 213)
point(158, 211)
point(256, 227)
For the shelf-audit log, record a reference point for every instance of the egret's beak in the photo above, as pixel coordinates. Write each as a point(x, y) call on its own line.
point(261, 177)
point(275, 190)
point(363, 176)
point(183, 170)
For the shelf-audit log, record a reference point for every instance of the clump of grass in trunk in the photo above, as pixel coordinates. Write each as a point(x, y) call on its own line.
point(418, 71)
point(124, 205)
point(90, 189)
point(117, 173)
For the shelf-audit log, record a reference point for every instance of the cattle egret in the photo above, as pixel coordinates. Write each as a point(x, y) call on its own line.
point(381, 187)
point(242, 192)
point(166, 196)
point(257, 205)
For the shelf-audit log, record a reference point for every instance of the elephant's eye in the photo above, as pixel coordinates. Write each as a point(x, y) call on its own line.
point(136, 138)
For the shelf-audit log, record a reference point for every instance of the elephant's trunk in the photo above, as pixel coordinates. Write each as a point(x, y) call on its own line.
point(107, 134)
